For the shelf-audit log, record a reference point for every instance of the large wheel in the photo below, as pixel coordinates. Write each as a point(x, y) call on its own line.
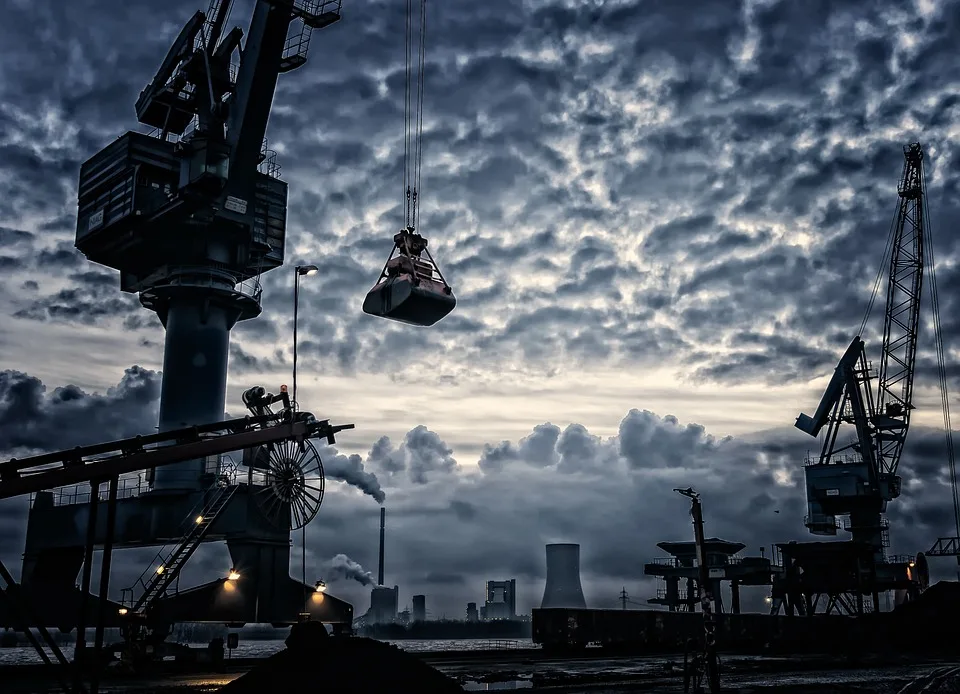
point(288, 483)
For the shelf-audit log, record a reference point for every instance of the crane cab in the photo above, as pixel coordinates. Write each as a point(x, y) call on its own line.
point(411, 288)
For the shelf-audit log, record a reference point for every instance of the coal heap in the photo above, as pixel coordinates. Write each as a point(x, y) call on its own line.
point(342, 664)
point(941, 600)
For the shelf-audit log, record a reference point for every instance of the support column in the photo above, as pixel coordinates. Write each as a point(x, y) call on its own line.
point(735, 596)
point(79, 654)
point(104, 593)
point(194, 384)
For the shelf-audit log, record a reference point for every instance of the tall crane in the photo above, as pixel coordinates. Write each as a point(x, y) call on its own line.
point(858, 478)
point(193, 213)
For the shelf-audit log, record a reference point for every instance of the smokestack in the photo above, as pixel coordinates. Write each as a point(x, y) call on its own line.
point(383, 518)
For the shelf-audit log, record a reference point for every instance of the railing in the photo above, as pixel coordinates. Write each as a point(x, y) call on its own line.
point(665, 561)
point(227, 476)
point(215, 277)
point(80, 493)
point(269, 165)
point(680, 596)
point(901, 559)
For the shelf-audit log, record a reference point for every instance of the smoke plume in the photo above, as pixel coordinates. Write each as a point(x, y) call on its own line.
point(350, 469)
point(342, 566)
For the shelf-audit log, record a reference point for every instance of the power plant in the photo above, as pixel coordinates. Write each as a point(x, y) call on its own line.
point(384, 601)
point(563, 577)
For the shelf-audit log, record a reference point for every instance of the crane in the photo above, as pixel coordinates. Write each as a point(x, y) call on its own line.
point(859, 478)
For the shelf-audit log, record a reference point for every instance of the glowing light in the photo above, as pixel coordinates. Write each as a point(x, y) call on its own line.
point(233, 575)
point(320, 587)
point(160, 569)
point(199, 520)
point(316, 597)
point(912, 564)
point(229, 586)
point(122, 611)
point(768, 600)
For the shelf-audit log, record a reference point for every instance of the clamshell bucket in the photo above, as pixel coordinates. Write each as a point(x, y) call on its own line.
point(411, 288)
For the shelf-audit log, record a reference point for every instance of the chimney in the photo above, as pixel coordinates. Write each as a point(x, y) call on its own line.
point(383, 516)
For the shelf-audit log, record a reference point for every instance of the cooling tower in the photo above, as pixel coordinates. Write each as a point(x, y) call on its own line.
point(563, 577)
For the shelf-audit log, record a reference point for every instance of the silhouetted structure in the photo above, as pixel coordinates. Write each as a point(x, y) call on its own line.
point(383, 523)
point(563, 577)
point(864, 416)
point(473, 614)
point(383, 605)
point(501, 600)
point(724, 565)
point(191, 215)
point(419, 608)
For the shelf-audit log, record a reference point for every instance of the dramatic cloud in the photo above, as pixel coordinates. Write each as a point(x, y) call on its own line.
point(422, 453)
point(33, 420)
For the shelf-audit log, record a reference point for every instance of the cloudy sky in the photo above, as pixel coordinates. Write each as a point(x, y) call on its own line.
point(662, 221)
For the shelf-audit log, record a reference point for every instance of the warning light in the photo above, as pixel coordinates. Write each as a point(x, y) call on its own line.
point(283, 389)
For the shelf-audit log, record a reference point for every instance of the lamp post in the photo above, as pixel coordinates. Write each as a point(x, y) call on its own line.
point(301, 271)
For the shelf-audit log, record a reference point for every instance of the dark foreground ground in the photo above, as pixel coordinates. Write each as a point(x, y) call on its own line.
point(535, 671)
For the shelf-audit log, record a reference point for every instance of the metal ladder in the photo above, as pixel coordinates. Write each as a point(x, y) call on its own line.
point(308, 15)
point(170, 566)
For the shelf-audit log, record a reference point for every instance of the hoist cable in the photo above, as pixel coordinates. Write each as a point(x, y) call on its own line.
point(420, 89)
point(408, 51)
point(884, 264)
point(941, 364)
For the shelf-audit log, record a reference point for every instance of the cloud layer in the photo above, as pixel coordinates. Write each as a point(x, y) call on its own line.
point(451, 525)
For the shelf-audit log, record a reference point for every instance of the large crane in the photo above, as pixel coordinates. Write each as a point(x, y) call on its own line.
point(194, 212)
point(858, 478)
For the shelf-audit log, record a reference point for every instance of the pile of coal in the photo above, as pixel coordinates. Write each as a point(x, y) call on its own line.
point(345, 665)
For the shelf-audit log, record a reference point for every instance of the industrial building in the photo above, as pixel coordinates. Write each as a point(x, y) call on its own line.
point(501, 600)
point(725, 565)
point(563, 587)
point(383, 605)
point(473, 615)
point(384, 601)
point(419, 608)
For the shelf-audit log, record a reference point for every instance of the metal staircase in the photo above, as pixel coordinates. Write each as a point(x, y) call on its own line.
point(173, 561)
point(308, 15)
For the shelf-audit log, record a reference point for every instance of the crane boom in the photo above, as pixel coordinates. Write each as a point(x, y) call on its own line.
point(902, 315)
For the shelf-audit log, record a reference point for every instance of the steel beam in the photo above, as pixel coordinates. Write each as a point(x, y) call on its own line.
point(17, 478)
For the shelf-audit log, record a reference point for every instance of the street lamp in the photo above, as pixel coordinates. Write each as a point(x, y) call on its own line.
point(301, 271)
